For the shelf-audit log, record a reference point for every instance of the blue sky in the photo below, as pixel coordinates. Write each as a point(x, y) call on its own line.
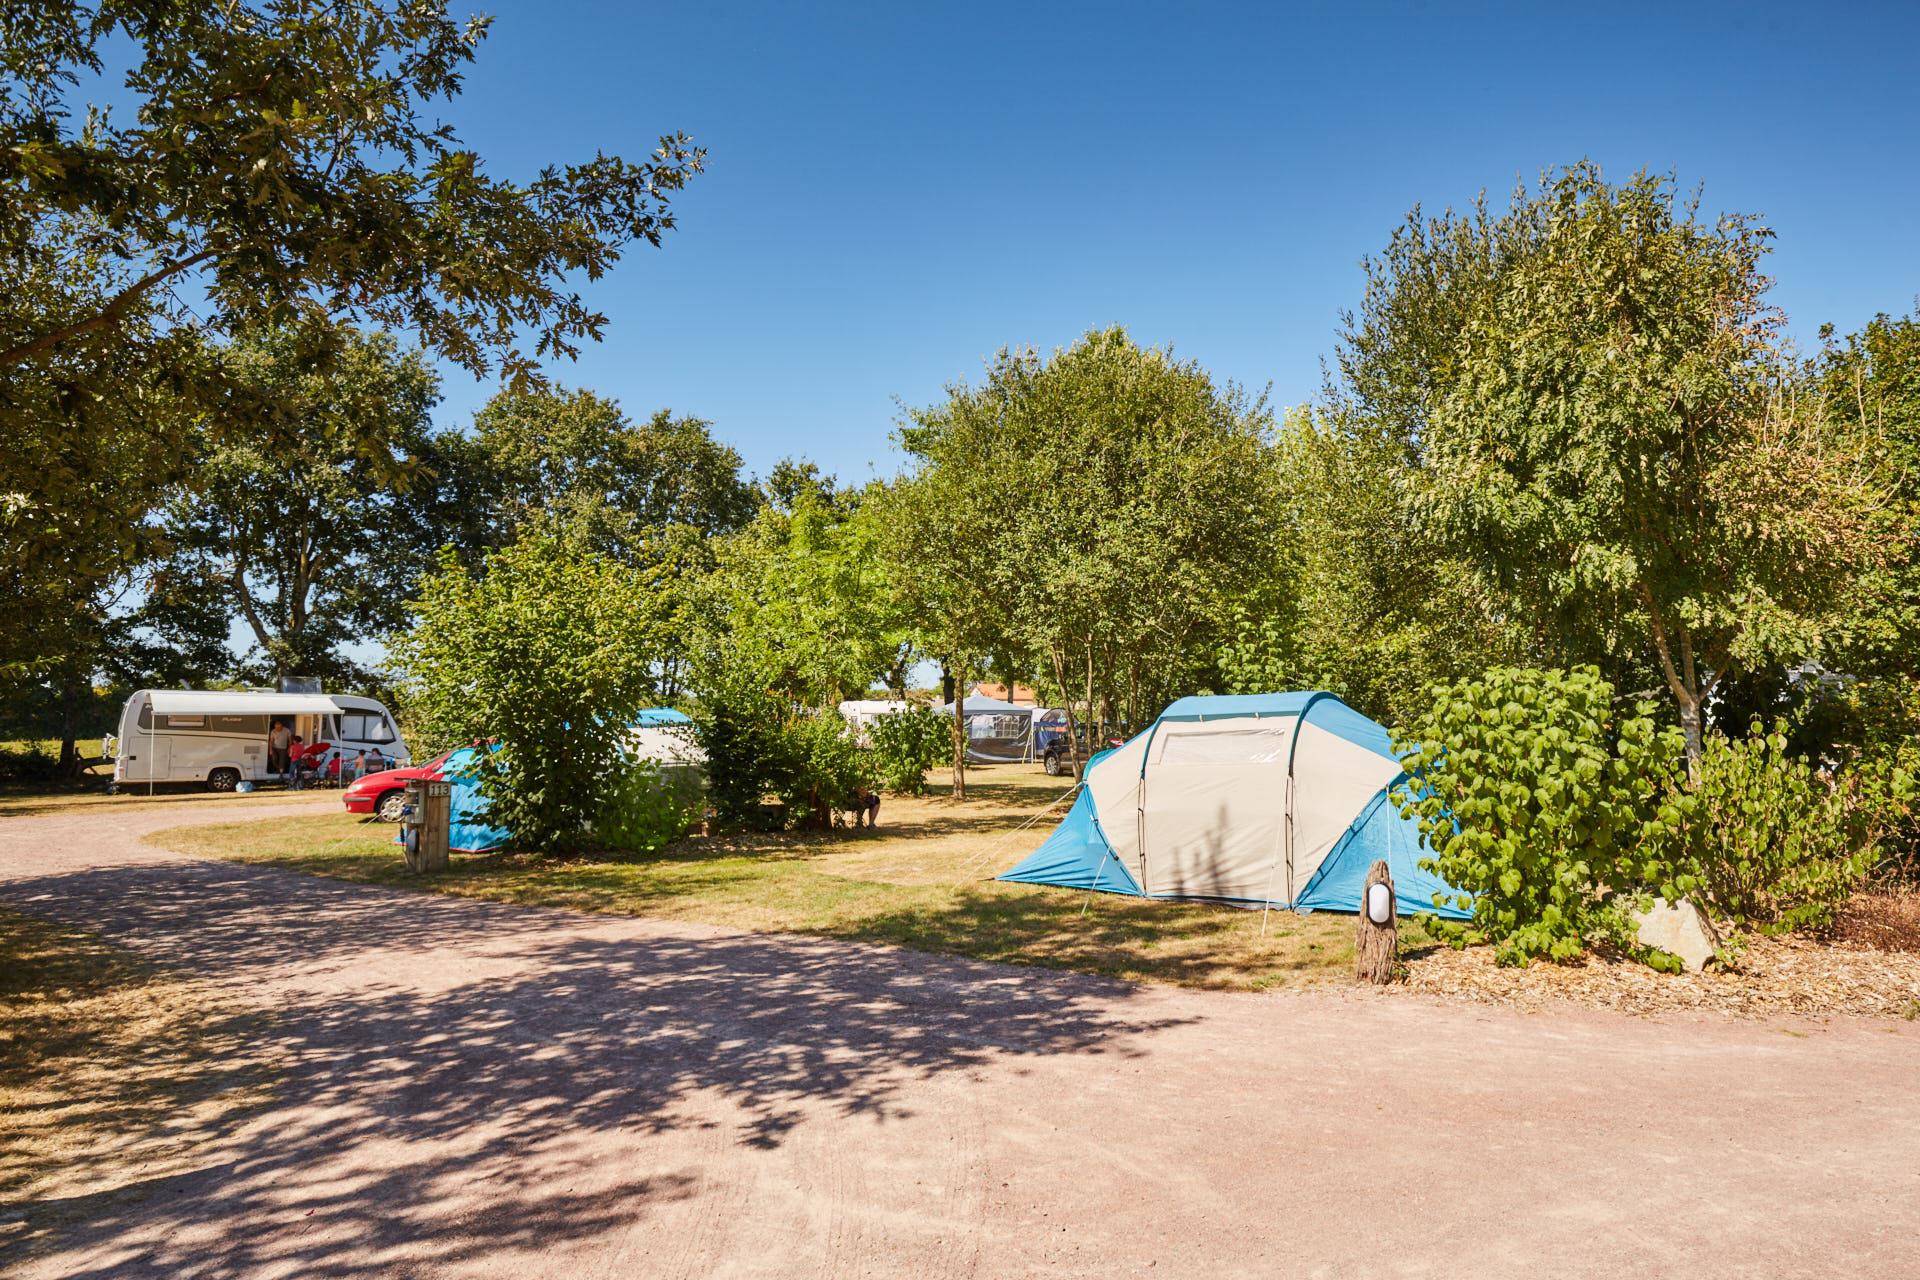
point(895, 191)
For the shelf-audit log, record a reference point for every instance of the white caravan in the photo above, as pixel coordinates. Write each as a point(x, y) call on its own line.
point(220, 737)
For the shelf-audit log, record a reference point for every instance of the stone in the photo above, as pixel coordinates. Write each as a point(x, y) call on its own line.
point(1679, 928)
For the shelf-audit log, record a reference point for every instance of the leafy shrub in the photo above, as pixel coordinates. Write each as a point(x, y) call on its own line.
point(1884, 741)
point(759, 746)
point(829, 768)
point(649, 808)
point(29, 763)
point(1535, 797)
point(739, 723)
point(908, 743)
point(549, 652)
point(1761, 839)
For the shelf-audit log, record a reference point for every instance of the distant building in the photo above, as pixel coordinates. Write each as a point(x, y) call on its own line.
point(1022, 696)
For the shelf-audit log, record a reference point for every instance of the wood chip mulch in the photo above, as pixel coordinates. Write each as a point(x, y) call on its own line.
point(1774, 977)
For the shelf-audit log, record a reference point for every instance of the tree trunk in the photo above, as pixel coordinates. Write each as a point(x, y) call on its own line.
point(69, 749)
point(1095, 731)
point(1683, 680)
point(1691, 726)
point(1375, 945)
point(1066, 699)
point(959, 735)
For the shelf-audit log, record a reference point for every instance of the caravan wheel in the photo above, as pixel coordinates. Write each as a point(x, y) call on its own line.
point(223, 779)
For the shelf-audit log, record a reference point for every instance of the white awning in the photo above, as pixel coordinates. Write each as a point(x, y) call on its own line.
point(230, 702)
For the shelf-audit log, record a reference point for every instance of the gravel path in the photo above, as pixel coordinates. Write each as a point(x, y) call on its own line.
point(483, 1090)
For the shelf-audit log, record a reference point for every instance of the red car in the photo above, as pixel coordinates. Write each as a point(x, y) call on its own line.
point(385, 792)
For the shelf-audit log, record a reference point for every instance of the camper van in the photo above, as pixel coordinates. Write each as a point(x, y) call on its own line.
point(219, 738)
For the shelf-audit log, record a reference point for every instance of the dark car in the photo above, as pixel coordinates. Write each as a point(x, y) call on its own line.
point(1056, 757)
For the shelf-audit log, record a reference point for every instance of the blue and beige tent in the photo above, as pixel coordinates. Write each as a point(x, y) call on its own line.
point(1273, 799)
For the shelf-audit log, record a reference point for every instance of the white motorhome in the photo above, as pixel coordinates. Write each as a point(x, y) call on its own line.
point(219, 737)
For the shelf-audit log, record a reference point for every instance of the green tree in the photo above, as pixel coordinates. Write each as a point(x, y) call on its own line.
point(1594, 415)
point(286, 156)
point(548, 650)
point(654, 494)
point(94, 437)
point(279, 168)
point(1094, 512)
point(578, 456)
point(802, 591)
point(1871, 381)
point(1364, 599)
point(936, 533)
point(310, 543)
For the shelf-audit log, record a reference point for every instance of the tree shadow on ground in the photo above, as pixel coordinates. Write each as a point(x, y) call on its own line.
point(524, 1051)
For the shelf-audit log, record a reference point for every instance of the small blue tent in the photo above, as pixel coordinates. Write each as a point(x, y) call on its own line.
point(1270, 799)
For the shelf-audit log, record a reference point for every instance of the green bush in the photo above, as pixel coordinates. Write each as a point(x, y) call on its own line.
point(549, 651)
point(908, 743)
point(1762, 839)
point(760, 747)
point(740, 725)
point(649, 808)
point(1536, 798)
point(830, 769)
point(27, 763)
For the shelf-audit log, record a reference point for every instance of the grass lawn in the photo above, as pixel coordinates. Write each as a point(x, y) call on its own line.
point(113, 1074)
point(921, 881)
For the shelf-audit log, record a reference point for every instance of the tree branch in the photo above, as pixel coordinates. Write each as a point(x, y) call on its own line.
point(1674, 684)
point(109, 314)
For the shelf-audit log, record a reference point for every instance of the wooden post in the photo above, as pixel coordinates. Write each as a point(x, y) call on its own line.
point(426, 828)
point(435, 826)
point(1374, 945)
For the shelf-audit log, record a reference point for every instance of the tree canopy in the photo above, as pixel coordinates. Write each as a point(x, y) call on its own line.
point(285, 156)
point(1588, 391)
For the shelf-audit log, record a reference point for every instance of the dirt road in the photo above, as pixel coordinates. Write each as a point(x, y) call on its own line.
point(477, 1090)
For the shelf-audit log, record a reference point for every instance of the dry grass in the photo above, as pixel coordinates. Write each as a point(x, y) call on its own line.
point(1885, 921)
point(112, 1074)
point(921, 881)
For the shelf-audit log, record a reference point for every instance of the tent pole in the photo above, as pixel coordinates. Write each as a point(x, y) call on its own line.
point(1283, 845)
point(1095, 887)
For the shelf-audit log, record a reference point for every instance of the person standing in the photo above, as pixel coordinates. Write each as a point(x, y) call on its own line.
point(279, 739)
point(294, 753)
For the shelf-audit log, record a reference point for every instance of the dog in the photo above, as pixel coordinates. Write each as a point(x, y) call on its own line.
point(865, 808)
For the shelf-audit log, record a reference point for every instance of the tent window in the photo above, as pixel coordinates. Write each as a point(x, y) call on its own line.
point(1236, 747)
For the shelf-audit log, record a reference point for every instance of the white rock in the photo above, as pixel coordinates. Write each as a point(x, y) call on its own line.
point(1677, 928)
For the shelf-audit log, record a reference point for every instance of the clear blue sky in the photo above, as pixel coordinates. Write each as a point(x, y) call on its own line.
point(894, 191)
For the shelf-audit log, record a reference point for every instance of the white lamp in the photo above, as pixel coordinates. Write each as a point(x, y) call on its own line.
point(1379, 903)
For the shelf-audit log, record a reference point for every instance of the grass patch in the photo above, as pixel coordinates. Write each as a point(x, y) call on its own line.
point(113, 1073)
point(920, 881)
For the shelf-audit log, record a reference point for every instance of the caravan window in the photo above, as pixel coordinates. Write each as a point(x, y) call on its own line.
point(230, 726)
point(365, 726)
point(1232, 747)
